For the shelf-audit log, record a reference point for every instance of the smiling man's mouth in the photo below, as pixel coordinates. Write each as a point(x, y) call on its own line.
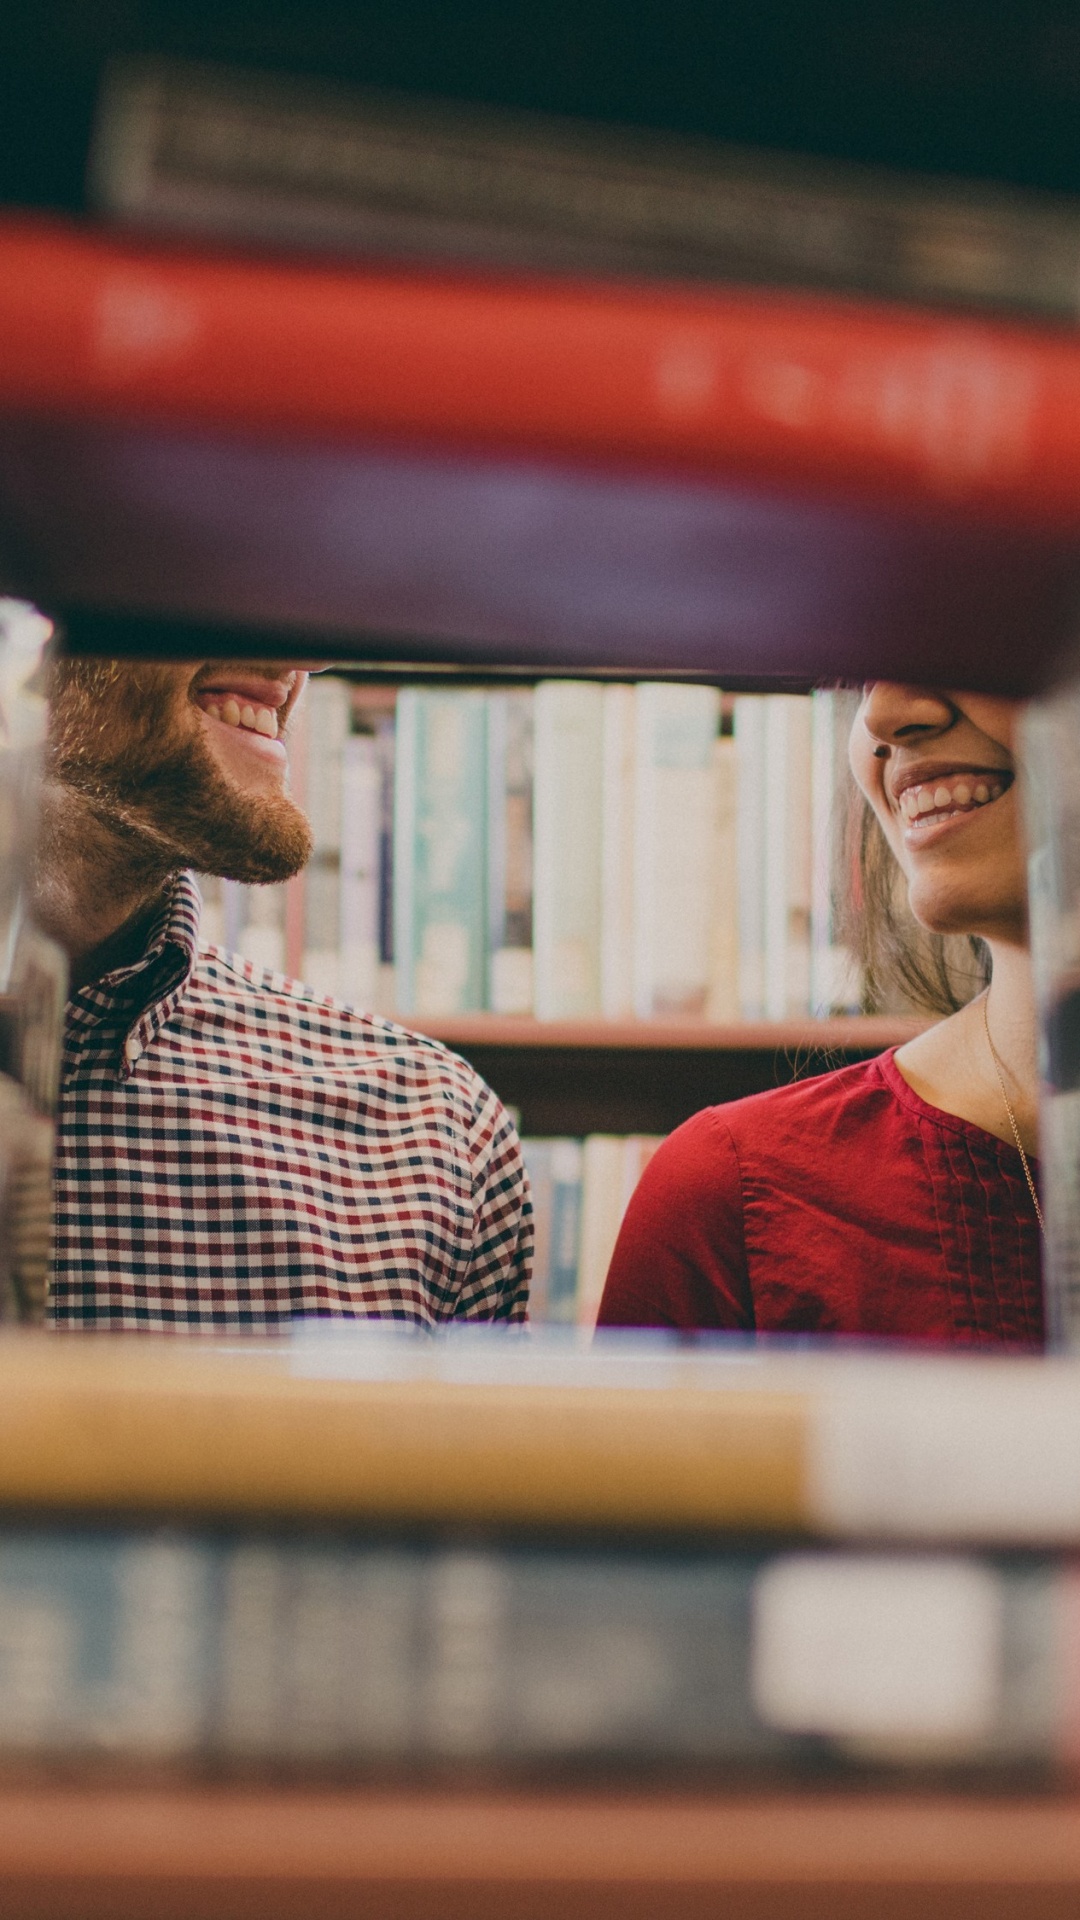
point(945, 795)
point(257, 719)
point(250, 703)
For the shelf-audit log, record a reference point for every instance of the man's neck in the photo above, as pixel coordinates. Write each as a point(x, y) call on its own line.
point(95, 893)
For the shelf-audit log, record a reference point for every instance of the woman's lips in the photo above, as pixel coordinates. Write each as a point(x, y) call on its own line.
point(944, 795)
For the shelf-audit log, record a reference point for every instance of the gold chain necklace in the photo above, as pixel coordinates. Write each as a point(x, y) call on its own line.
point(1012, 1118)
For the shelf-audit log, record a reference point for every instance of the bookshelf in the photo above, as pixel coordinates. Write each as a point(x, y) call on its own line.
point(122, 1852)
point(647, 1076)
point(156, 534)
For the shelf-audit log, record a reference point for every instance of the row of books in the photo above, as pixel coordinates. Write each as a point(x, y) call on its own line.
point(271, 1651)
point(180, 147)
point(580, 1191)
point(573, 850)
point(476, 1549)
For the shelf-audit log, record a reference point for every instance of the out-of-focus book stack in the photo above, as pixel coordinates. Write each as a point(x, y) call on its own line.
point(196, 149)
point(369, 1554)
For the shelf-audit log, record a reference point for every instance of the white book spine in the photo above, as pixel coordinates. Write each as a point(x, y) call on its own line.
point(674, 825)
point(601, 1217)
point(800, 852)
point(750, 715)
point(617, 855)
point(329, 704)
point(787, 856)
point(775, 864)
point(723, 1003)
point(510, 852)
point(359, 907)
point(834, 982)
point(568, 718)
point(405, 756)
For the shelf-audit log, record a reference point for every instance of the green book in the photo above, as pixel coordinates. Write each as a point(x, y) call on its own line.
point(439, 858)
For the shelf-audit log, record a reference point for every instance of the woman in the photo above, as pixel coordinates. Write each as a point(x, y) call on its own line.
point(896, 1197)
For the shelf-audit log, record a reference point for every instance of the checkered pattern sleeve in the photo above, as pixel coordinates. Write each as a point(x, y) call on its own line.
point(497, 1285)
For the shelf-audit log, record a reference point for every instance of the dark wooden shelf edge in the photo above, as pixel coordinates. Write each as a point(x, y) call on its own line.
point(131, 1853)
point(861, 1033)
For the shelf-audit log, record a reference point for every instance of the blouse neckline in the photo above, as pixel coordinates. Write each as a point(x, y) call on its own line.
point(951, 1122)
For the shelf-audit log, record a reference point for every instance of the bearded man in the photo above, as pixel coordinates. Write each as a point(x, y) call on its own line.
point(233, 1151)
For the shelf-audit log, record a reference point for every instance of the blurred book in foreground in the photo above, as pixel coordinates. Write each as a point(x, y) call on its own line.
point(369, 1550)
point(218, 150)
point(309, 1654)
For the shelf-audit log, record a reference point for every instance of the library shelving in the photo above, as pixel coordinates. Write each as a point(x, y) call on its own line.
point(155, 526)
point(647, 1076)
point(154, 1852)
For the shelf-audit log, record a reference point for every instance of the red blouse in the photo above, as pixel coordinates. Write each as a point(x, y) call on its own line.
point(842, 1204)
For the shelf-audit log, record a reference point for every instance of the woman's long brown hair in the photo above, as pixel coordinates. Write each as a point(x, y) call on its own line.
point(904, 968)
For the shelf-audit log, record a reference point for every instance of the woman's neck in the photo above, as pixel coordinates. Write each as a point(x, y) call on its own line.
point(951, 1066)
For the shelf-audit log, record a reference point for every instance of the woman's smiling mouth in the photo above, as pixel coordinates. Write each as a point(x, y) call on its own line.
point(930, 797)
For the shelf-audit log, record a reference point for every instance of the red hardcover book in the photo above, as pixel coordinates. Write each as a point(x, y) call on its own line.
point(801, 392)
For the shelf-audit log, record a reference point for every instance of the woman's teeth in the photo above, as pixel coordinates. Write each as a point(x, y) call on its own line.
point(256, 719)
point(960, 795)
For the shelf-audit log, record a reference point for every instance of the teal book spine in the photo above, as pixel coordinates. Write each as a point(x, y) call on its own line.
point(439, 852)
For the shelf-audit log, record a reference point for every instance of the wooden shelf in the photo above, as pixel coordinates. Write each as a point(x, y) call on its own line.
point(853, 1033)
point(83, 1853)
point(647, 1076)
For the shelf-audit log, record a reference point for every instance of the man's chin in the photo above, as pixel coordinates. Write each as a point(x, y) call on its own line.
point(264, 842)
point(219, 826)
point(249, 763)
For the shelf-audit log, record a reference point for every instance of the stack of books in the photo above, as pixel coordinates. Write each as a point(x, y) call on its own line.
point(573, 851)
point(366, 1554)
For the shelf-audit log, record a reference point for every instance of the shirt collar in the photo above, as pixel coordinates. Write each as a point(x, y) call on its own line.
point(143, 995)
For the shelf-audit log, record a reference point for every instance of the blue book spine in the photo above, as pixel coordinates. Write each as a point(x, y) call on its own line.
point(323, 1651)
point(567, 1195)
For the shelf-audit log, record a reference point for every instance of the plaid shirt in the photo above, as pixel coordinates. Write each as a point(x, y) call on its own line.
point(234, 1151)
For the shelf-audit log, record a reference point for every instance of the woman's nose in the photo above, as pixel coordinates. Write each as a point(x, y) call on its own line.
point(893, 714)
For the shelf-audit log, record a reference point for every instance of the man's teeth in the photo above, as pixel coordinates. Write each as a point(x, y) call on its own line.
point(965, 793)
point(256, 719)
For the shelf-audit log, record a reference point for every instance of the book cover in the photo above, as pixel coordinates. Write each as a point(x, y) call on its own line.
point(675, 850)
point(361, 819)
point(346, 1422)
point(568, 747)
point(326, 725)
point(385, 745)
point(510, 851)
point(602, 1206)
point(723, 1002)
point(198, 148)
point(847, 399)
point(787, 856)
point(617, 831)
point(749, 734)
point(311, 1654)
point(835, 986)
point(567, 1194)
point(439, 851)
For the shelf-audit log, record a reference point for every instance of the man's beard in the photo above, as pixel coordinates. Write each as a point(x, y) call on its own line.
point(126, 740)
